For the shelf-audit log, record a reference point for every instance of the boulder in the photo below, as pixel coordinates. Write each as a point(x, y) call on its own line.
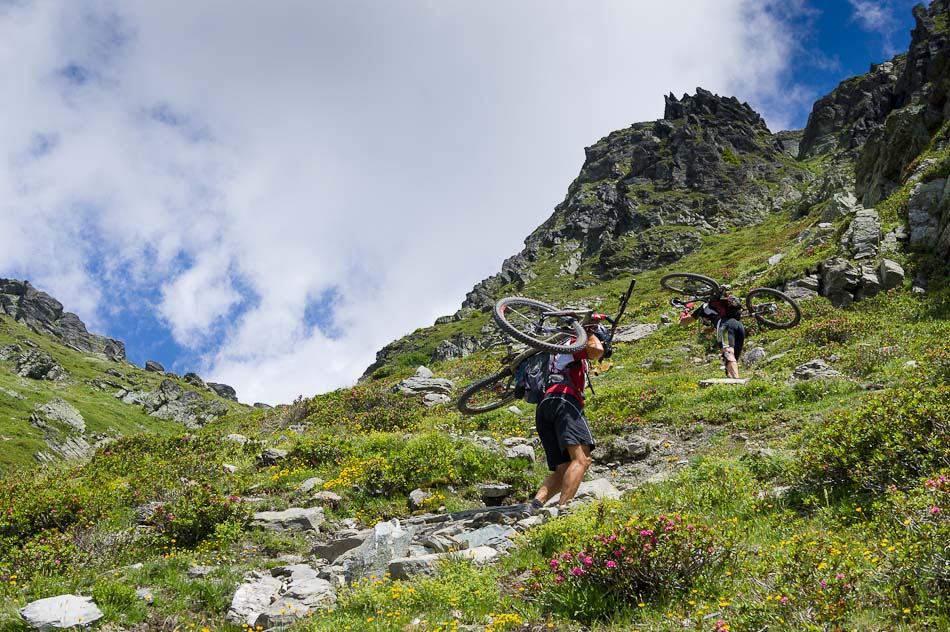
point(494, 493)
point(752, 356)
point(923, 214)
point(624, 449)
point(417, 498)
point(39, 365)
point(597, 489)
point(154, 367)
point(891, 274)
point(327, 498)
point(271, 456)
point(309, 484)
point(815, 370)
point(252, 598)
point(195, 380)
point(521, 451)
point(803, 288)
point(870, 284)
point(406, 567)
point(839, 280)
point(455, 347)
point(61, 411)
point(293, 519)
point(423, 383)
point(61, 612)
point(172, 402)
point(388, 540)
point(863, 236)
point(496, 536)
point(841, 204)
point(342, 542)
point(634, 332)
point(223, 391)
point(434, 399)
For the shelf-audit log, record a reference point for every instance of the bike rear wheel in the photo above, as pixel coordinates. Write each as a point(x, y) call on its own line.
point(773, 308)
point(488, 394)
point(689, 284)
point(531, 322)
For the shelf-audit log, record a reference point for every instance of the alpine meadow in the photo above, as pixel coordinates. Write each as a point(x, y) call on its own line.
point(813, 494)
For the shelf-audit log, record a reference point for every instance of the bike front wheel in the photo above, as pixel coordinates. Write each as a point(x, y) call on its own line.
point(689, 284)
point(488, 394)
point(539, 325)
point(773, 308)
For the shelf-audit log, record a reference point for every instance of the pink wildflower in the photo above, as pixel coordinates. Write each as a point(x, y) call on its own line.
point(935, 510)
point(578, 571)
point(646, 533)
point(611, 564)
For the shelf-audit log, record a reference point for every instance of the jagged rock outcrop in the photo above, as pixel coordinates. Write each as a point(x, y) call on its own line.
point(917, 107)
point(45, 315)
point(171, 401)
point(646, 194)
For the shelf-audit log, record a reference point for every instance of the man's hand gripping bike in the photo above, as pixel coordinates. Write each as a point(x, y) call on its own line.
point(544, 328)
point(769, 307)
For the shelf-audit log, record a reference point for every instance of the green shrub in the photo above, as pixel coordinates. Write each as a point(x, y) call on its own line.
point(323, 449)
point(649, 555)
point(367, 408)
point(194, 513)
point(894, 437)
point(916, 568)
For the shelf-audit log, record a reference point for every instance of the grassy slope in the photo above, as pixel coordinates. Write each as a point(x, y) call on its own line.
point(103, 413)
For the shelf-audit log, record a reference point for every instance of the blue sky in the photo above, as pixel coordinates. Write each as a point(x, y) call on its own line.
point(267, 194)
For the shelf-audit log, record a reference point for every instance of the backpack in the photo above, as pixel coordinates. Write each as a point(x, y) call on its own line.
point(727, 307)
point(534, 377)
point(531, 378)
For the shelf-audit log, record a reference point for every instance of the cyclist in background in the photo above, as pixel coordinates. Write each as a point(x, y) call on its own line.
point(724, 313)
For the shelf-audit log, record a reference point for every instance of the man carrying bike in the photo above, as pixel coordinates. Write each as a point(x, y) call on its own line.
point(560, 422)
point(722, 311)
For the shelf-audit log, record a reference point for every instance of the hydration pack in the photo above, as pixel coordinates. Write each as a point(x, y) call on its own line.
point(531, 379)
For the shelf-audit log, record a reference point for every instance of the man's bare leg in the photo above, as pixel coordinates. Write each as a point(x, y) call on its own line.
point(552, 483)
point(574, 473)
point(729, 358)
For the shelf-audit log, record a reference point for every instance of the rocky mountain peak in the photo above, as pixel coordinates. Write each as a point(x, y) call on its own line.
point(646, 193)
point(45, 315)
point(713, 109)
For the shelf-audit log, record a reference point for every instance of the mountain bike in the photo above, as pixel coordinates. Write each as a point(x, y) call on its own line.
point(544, 328)
point(766, 305)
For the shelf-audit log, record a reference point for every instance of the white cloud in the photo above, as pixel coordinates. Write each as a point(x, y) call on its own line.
point(872, 16)
point(223, 154)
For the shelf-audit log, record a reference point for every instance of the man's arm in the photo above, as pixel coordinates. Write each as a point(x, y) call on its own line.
point(595, 349)
point(687, 316)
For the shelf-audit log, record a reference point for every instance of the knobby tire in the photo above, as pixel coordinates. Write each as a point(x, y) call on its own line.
point(689, 284)
point(503, 393)
point(786, 315)
point(554, 334)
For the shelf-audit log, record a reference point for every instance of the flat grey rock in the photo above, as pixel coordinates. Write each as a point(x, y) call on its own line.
point(61, 612)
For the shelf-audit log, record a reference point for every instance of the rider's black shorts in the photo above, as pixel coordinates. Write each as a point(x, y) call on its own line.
point(560, 422)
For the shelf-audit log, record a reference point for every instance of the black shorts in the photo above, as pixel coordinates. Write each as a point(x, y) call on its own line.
point(560, 422)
